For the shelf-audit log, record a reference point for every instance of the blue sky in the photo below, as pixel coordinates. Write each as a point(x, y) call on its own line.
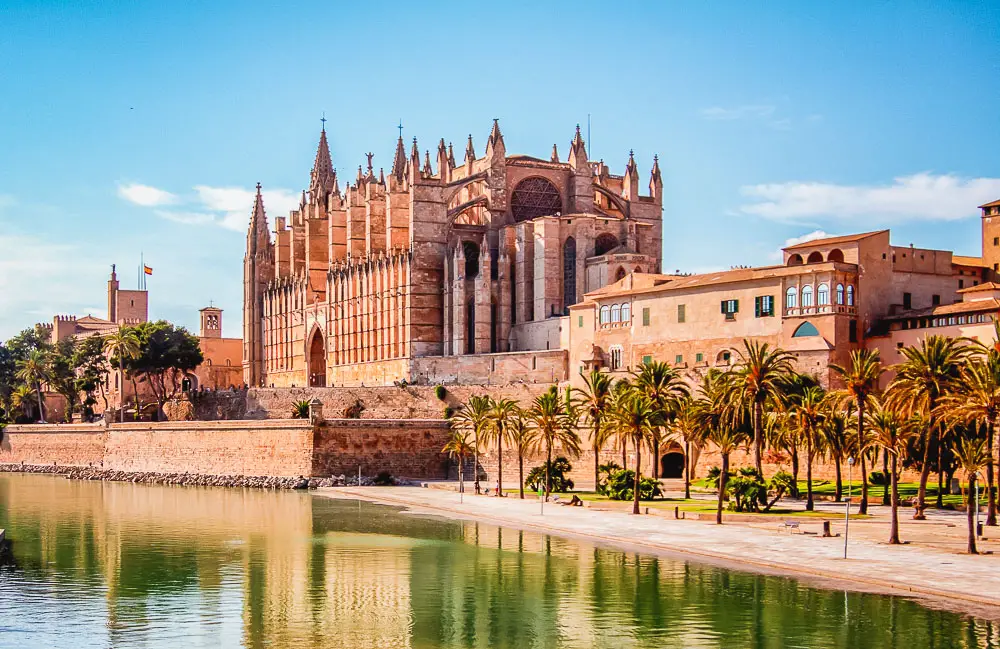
point(128, 127)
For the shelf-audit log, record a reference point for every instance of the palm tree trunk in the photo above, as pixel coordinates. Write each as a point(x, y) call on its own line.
point(840, 479)
point(885, 473)
point(121, 388)
point(863, 508)
point(971, 509)
point(925, 472)
point(991, 498)
point(475, 462)
point(722, 487)
point(809, 472)
point(41, 411)
point(499, 465)
point(635, 486)
point(548, 465)
point(687, 470)
point(520, 472)
point(894, 505)
point(940, 450)
point(624, 453)
point(656, 459)
point(795, 471)
point(597, 463)
point(758, 440)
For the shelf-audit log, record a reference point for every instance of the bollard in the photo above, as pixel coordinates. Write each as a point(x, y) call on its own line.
point(677, 512)
point(826, 529)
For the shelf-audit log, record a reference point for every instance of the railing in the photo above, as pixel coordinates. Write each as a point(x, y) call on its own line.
point(823, 309)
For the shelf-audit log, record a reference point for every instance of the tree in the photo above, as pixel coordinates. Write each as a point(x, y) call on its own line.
point(977, 399)
point(122, 346)
point(972, 457)
point(889, 433)
point(716, 419)
point(91, 364)
point(551, 426)
point(33, 371)
point(837, 442)
point(62, 374)
point(860, 380)
point(756, 380)
point(474, 417)
point(809, 413)
point(501, 416)
point(522, 438)
point(8, 368)
point(459, 446)
point(685, 426)
point(166, 354)
point(664, 388)
point(929, 373)
point(23, 399)
point(634, 415)
point(594, 399)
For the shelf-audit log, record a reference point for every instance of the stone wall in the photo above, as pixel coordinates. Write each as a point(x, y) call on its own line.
point(63, 444)
point(491, 369)
point(404, 448)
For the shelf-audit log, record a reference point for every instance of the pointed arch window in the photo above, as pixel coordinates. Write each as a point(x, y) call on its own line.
point(569, 272)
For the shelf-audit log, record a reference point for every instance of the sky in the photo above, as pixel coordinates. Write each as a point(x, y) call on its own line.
point(133, 129)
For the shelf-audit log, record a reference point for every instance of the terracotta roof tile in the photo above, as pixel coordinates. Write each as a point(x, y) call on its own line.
point(995, 203)
point(985, 286)
point(848, 238)
point(962, 260)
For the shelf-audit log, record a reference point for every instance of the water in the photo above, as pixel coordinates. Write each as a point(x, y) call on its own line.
point(122, 565)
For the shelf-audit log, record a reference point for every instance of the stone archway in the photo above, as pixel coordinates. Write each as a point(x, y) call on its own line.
point(316, 359)
point(672, 464)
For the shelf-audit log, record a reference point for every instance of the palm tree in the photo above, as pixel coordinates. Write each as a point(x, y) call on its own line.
point(837, 442)
point(715, 418)
point(685, 426)
point(552, 425)
point(594, 398)
point(977, 400)
point(123, 343)
point(756, 380)
point(459, 446)
point(808, 413)
point(972, 456)
point(664, 388)
point(929, 373)
point(21, 398)
point(32, 371)
point(635, 416)
point(501, 417)
point(860, 382)
point(522, 438)
point(474, 417)
point(889, 433)
point(620, 390)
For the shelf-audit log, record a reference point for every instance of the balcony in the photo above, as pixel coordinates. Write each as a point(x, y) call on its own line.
point(823, 309)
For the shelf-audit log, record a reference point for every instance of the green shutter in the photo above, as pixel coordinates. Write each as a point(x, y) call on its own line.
point(757, 306)
point(645, 316)
point(724, 306)
point(736, 306)
point(698, 357)
point(646, 360)
point(579, 322)
point(678, 359)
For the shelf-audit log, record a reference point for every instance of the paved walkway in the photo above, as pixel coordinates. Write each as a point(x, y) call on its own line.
point(931, 565)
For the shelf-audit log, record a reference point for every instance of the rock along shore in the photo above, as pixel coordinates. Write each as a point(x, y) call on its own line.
point(187, 479)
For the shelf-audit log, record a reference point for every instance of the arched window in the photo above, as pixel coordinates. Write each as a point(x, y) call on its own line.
point(534, 197)
point(638, 269)
point(626, 313)
point(615, 353)
point(471, 252)
point(604, 244)
point(791, 297)
point(815, 257)
point(795, 260)
point(850, 295)
point(569, 272)
point(620, 274)
point(835, 255)
point(616, 313)
point(823, 294)
point(605, 314)
point(840, 293)
point(805, 330)
point(807, 296)
point(229, 363)
point(724, 357)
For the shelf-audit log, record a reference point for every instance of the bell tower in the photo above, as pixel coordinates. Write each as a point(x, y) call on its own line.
point(211, 322)
point(991, 238)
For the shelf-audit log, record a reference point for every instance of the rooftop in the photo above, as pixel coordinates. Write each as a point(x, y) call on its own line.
point(829, 241)
point(995, 203)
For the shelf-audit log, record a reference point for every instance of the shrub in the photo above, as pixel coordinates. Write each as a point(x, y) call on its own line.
point(300, 409)
point(448, 412)
point(440, 392)
point(384, 479)
point(354, 411)
point(604, 472)
point(747, 488)
point(557, 474)
point(622, 481)
point(878, 478)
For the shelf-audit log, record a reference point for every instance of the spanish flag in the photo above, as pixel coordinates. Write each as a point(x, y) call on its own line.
point(148, 270)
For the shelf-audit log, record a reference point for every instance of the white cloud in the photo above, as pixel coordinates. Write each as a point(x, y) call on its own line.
point(145, 195)
point(738, 112)
point(923, 196)
point(187, 218)
point(794, 241)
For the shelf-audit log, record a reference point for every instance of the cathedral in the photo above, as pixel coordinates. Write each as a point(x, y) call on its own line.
point(440, 272)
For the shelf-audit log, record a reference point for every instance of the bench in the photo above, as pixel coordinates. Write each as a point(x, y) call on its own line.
point(790, 526)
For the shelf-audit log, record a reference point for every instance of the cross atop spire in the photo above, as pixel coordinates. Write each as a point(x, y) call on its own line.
point(496, 138)
point(321, 178)
point(323, 121)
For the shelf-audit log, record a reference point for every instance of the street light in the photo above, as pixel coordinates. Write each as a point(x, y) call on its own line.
point(847, 508)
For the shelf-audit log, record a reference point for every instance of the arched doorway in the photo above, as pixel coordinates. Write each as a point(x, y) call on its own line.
point(316, 362)
point(672, 465)
point(470, 327)
point(569, 274)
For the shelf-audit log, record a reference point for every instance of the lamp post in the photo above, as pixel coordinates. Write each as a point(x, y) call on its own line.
point(847, 507)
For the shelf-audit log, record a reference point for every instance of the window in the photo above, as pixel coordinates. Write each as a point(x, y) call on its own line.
point(681, 313)
point(605, 315)
point(961, 319)
point(723, 358)
point(763, 306)
point(961, 283)
point(647, 360)
point(616, 313)
point(730, 308)
point(823, 294)
point(534, 197)
point(907, 301)
point(569, 272)
point(699, 357)
point(807, 296)
point(678, 359)
point(627, 313)
point(996, 241)
point(840, 293)
point(616, 357)
point(852, 331)
point(805, 330)
point(645, 316)
point(850, 295)
point(951, 320)
point(935, 300)
point(579, 321)
point(791, 297)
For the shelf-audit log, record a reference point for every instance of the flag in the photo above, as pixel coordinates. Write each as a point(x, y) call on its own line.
point(147, 270)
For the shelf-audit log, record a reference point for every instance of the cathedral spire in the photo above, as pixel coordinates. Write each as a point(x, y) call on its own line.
point(555, 153)
point(470, 153)
point(427, 164)
point(578, 152)
point(451, 156)
point(321, 178)
point(257, 234)
point(399, 160)
point(495, 146)
point(656, 180)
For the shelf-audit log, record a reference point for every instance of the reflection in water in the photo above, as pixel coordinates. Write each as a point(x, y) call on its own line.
point(109, 564)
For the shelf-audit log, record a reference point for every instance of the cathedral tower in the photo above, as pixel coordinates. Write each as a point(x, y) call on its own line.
point(258, 270)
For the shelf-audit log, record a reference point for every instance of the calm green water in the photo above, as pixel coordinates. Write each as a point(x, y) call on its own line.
point(121, 565)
